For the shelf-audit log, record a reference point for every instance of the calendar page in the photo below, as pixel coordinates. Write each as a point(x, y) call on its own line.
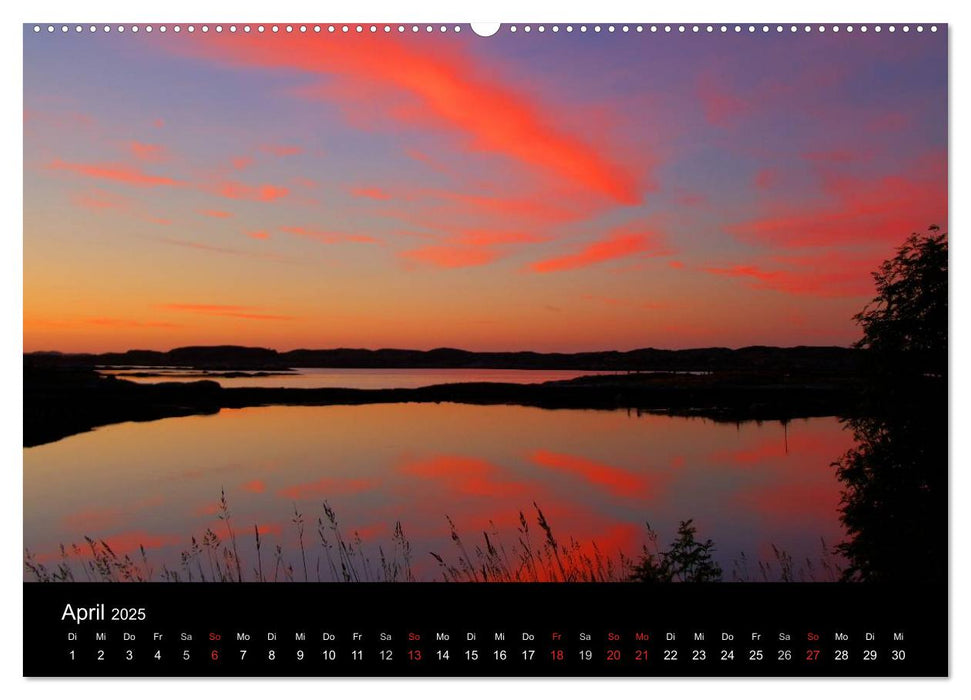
point(485, 350)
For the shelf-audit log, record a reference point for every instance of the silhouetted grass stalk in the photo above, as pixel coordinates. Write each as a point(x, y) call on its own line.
point(347, 560)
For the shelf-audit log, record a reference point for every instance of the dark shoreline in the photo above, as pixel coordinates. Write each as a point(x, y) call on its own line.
point(59, 402)
point(246, 359)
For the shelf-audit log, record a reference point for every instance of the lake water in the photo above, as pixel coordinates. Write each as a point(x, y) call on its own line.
point(324, 377)
point(597, 476)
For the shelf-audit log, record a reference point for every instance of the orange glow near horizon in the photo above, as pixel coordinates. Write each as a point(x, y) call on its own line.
point(522, 193)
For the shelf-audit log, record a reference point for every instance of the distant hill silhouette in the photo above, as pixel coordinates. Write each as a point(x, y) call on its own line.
point(63, 394)
point(826, 359)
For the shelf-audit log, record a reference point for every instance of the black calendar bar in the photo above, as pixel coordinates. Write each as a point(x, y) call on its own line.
point(432, 629)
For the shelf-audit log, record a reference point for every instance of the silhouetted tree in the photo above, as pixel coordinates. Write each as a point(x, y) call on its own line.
point(894, 503)
point(687, 560)
point(905, 326)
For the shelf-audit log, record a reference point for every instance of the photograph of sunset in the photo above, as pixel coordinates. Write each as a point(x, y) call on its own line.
point(402, 304)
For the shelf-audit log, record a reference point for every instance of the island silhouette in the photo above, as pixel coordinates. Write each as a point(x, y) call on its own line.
point(65, 394)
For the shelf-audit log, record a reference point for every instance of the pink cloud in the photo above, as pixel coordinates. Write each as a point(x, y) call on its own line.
point(621, 243)
point(148, 152)
point(830, 274)
point(370, 193)
point(323, 236)
point(232, 311)
point(99, 200)
point(446, 87)
point(433, 163)
point(470, 248)
point(232, 189)
point(877, 212)
point(115, 172)
point(128, 323)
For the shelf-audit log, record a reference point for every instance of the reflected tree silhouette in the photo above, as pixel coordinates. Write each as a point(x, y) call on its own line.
point(894, 503)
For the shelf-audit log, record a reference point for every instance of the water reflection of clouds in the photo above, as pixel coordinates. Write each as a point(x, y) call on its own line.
point(457, 475)
point(597, 475)
point(93, 519)
point(615, 481)
point(328, 487)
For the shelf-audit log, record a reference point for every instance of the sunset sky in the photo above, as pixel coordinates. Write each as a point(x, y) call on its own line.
point(552, 192)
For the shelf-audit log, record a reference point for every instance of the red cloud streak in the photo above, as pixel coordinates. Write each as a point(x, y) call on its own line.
point(469, 248)
point(370, 193)
point(116, 172)
point(246, 312)
point(828, 275)
point(231, 189)
point(328, 236)
point(879, 211)
point(619, 244)
point(450, 87)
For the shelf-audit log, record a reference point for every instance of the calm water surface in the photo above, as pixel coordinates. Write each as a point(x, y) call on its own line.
point(598, 475)
point(322, 378)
